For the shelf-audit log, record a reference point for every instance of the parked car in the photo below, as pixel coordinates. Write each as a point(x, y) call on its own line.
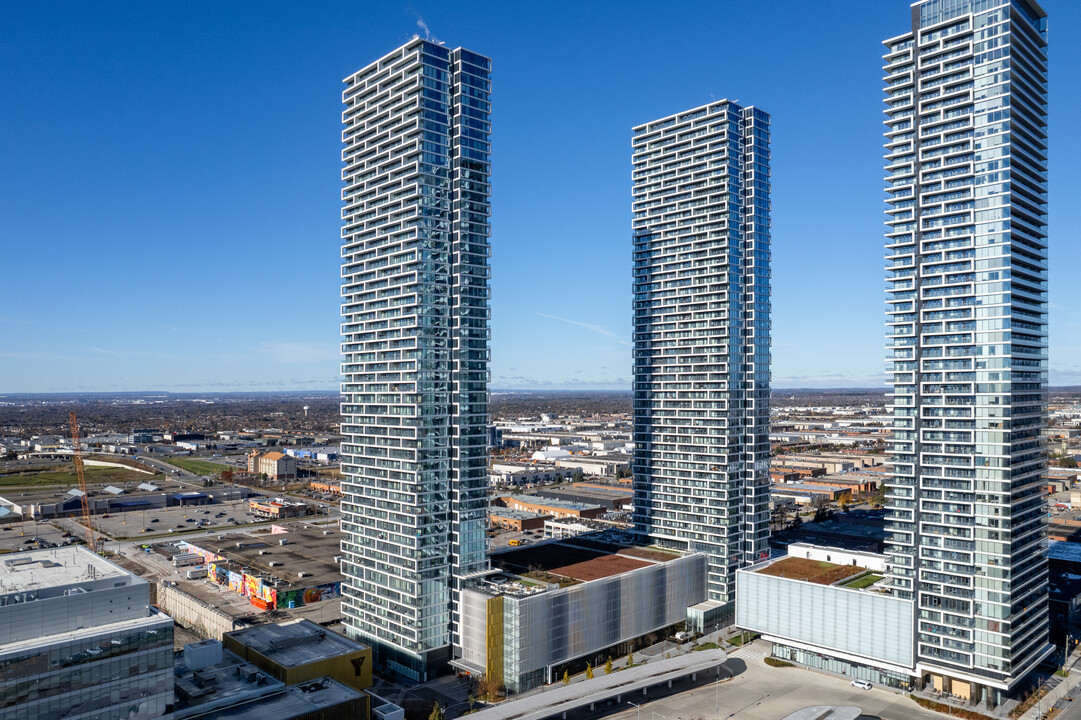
point(861, 684)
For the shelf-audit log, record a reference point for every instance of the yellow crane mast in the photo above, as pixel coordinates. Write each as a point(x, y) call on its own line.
point(90, 541)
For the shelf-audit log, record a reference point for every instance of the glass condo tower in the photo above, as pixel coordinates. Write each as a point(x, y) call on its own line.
point(701, 232)
point(966, 243)
point(414, 413)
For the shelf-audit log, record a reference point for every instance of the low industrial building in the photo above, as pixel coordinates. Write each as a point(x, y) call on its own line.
point(806, 494)
point(527, 474)
point(565, 528)
point(611, 498)
point(561, 605)
point(855, 483)
point(323, 454)
point(49, 503)
point(215, 684)
point(78, 638)
point(277, 508)
point(609, 464)
point(517, 520)
point(549, 506)
point(325, 487)
point(282, 568)
point(787, 471)
point(299, 651)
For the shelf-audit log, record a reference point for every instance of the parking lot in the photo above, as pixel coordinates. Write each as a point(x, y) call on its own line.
point(500, 538)
point(19, 535)
point(178, 519)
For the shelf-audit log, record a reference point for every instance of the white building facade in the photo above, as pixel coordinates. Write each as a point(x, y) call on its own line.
point(701, 339)
point(966, 164)
point(415, 348)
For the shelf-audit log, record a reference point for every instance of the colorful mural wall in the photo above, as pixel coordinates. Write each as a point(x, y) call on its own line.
point(309, 596)
point(260, 594)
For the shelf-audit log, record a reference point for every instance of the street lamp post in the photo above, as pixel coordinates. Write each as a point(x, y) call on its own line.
point(638, 707)
point(717, 692)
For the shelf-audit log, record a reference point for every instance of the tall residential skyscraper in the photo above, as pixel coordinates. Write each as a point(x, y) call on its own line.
point(415, 348)
point(701, 339)
point(966, 174)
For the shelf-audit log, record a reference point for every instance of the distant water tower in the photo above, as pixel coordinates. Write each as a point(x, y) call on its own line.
point(305, 411)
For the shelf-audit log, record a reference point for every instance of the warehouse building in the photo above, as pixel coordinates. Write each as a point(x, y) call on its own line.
point(517, 520)
point(283, 568)
point(549, 506)
point(215, 684)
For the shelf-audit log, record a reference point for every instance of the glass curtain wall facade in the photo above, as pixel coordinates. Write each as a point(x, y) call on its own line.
point(415, 229)
point(701, 233)
point(966, 216)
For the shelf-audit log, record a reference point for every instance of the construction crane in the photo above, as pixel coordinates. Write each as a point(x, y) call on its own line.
point(90, 541)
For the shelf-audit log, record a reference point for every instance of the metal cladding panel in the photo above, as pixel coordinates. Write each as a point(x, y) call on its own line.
point(563, 624)
point(871, 625)
point(474, 606)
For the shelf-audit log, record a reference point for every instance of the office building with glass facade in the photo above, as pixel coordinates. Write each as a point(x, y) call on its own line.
point(966, 241)
point(701, 232)
point(415, 207)
point(79, 640)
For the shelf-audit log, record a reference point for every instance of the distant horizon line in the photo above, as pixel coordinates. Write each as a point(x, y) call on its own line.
point(312, 391)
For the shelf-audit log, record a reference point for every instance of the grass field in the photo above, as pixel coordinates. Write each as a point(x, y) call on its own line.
point(66, 476)
point(199, 467)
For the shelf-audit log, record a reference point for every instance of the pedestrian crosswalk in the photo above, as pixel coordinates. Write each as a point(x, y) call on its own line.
point(747, 652)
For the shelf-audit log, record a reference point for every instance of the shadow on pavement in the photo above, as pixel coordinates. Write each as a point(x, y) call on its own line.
point(735, 666)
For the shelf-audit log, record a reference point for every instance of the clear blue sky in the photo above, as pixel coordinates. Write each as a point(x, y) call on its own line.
point(169, 181)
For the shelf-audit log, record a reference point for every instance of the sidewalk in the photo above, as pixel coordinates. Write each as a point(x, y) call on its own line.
point(1059, 691)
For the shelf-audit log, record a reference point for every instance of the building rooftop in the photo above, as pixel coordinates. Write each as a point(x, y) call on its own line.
point(222, 685)
point(303, 548)
point(576, 560)
point(1064, 551)
point(501, 511)
point(804, 488)
point(47, 495)
point(550, 502)
point(819, 572)
point(296, 642)
point(299, 701)
point(48, 573)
